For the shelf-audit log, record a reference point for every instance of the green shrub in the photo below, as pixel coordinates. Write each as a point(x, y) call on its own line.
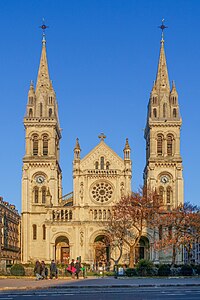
point(186, 270)
point(145, 267)
point(17, 270)
point(130, 272)
point(164, 270)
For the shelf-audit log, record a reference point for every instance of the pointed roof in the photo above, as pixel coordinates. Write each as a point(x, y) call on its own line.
point(31, 90)
point(127, 147)
point(162, 79)
point(77, 146)
point(43, 80)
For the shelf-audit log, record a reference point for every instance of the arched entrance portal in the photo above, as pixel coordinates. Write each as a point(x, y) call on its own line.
point(102, 251)
point(62, 250)
point(142, 251)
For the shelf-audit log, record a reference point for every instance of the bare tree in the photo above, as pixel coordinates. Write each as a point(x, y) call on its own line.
point(131, 216)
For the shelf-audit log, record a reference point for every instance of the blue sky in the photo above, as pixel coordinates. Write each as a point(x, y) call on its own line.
point(102, 58)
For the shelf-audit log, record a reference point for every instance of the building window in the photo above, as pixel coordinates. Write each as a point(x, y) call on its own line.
point(169, 194)
point(169, 145)
point(43, 195)
point(102, 163)
point(45, 144)
point(30, 112)
point(35, 145)
point(107, 165)
point(174, 113)
point(159, 144)
point(50, 112)
point(34, 232)
point(36, 194)
point(161, 194)
point(96, 165)
point(155, 113)
point(44, 232)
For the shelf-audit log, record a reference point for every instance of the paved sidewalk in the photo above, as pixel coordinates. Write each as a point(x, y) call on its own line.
point(91, 282)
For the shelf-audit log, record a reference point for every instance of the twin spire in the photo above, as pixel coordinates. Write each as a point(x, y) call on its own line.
point(162, 80)
point(43, 80)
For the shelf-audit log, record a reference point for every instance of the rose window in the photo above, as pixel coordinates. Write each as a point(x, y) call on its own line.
point(102, 192)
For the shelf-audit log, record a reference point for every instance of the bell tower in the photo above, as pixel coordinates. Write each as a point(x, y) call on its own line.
point(163, 170)
point(42, 177)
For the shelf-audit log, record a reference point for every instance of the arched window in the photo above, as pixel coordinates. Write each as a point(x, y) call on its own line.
point(34, 232)
point(35, 145)
point(169, 145)
point(70, 215)
point(174, 113)
point(30, 112)
point(36, 194)
point(102, 163)
point(107, 165)
point(44, 232)
point(159, 144)
point(43, 195)
point(169, 195)
point(155, 113)
point(161, 194)
point(164, 110)
point(45, 144)
point(50, 112)
point(96, 165)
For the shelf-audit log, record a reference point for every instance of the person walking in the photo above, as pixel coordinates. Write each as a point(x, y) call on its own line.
point(38, 270)
point(78, 268)
point(72, 269)
point(53, 270)
point(44, 270)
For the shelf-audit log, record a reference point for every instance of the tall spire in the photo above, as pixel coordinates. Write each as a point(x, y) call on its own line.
point(162, 79)
point(43, 80)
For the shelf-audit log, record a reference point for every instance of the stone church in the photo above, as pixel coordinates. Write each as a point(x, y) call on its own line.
point(62, 227)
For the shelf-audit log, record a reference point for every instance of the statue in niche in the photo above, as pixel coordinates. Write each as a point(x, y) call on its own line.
point(81, 190)
point(122, 189)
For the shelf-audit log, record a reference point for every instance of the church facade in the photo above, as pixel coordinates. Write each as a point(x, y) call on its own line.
point(65, 227)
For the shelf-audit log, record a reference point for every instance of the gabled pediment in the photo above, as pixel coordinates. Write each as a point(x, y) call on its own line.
point(102, 150)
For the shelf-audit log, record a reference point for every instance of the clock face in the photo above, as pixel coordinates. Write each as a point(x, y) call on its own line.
point(40, 179)
point(164, 179)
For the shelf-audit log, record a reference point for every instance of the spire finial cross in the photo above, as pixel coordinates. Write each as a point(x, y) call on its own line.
point(43, 27)
point(102, 136)
point(162, 27)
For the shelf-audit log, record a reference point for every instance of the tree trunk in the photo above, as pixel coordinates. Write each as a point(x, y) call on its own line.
point(132, 257)
point(173, 255)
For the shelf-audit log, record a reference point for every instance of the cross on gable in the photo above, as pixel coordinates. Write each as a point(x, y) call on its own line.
point(102, 136)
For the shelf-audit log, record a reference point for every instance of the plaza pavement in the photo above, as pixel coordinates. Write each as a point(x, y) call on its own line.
point(95, 282)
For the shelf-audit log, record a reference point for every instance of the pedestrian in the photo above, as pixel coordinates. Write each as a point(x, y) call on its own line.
point(83, 269)
point(53, 270)
point(38, 270)
point(44, 270)
point(78, 268)
point(72, 268)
